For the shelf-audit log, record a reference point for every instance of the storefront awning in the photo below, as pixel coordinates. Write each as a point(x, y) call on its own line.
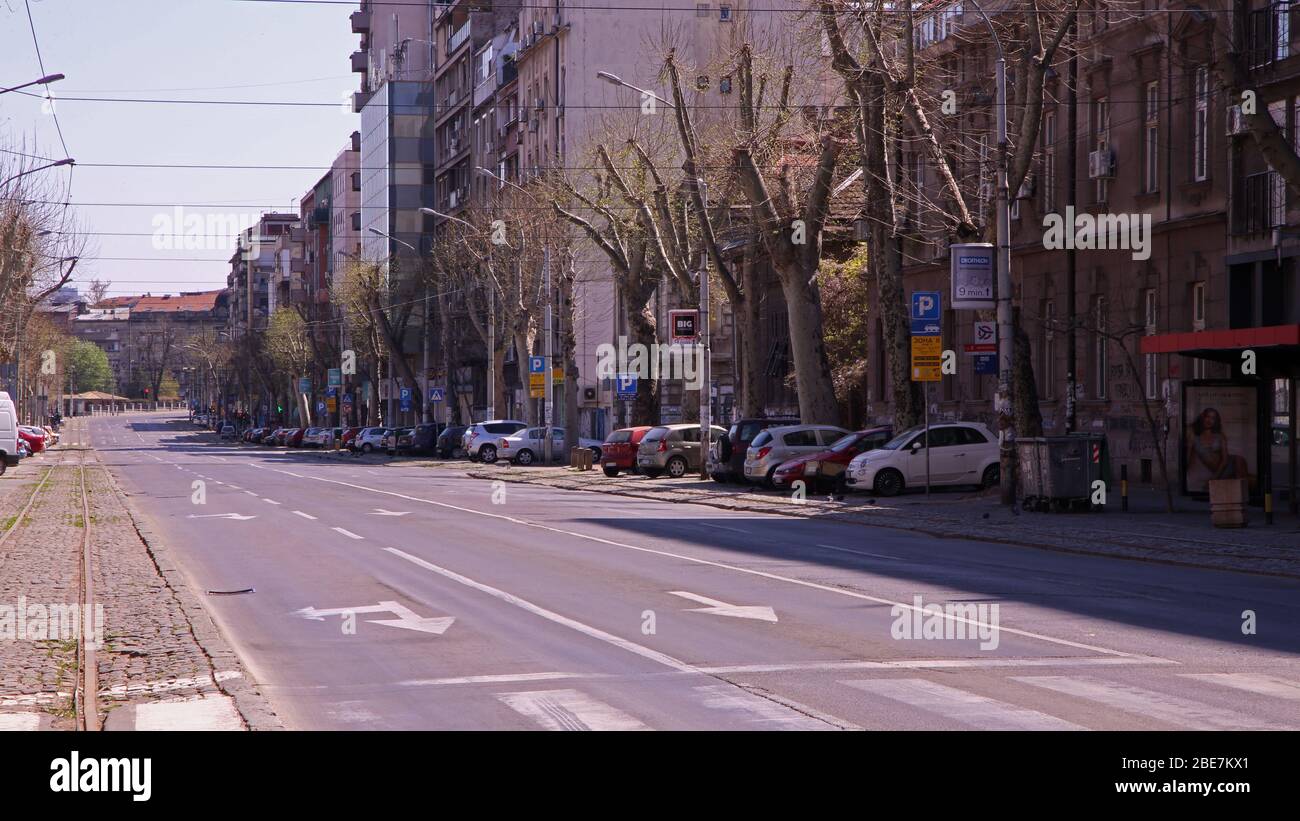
point(1277, 346)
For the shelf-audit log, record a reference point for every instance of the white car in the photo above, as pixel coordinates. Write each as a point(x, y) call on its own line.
point(369, 439)
point(527, 446)
point(480, 440)
point(961, 453)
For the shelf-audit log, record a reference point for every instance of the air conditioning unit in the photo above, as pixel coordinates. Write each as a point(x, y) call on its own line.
point(532, 126)
point(1101, 164)
point(539, 28)
point(1026, 188)
point(540, 104)
point(1235, 121)
point(589, 394)
point(453, 199)
point(503, 130)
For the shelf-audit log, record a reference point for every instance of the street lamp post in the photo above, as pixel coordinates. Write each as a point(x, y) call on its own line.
point(56, 164)
point(46, 80)
point(392, 238)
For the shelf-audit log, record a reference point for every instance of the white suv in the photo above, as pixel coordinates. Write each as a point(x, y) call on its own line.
point(369, 439)
point(480, 439)
point(961, 453)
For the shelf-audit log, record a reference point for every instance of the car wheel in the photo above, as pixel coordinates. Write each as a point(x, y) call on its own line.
point(525, 457)
point(610, 472)
point(676, 467)
point(595, 455)
point(992, 476)
point(367, 447)
point(488, 453)
point(889, 483)
point(768, 481)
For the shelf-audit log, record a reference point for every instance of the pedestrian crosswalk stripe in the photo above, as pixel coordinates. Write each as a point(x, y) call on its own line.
point(212, 712)
point(569, 710)
point(966, 708)
point(1263, 685)
point(19, 721)
point(1182, 712)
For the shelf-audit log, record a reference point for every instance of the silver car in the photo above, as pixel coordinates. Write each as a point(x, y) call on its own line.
point(772, 447)
point(480, 439)
point(672, 449)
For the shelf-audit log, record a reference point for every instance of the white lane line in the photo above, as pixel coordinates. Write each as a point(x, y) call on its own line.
point(858, 552)
point(1182, 712)
point(304, 515)
point(960, 706)
point(735, 568)
point(10, 722)
point(569, 710)
point(938, 664)
point(347, 533)
point(250, 493)
point(1263, 685)
point(235, 487)
point(211, 712)
point(270, 501)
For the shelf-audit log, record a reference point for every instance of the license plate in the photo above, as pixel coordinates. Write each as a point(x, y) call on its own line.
point(611, 464)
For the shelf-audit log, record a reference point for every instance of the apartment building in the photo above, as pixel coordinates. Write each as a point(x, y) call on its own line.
point(253, 270)
point(345, 207)
point(1162, 154)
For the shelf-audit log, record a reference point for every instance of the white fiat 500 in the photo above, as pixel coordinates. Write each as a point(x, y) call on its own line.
point(961, 453)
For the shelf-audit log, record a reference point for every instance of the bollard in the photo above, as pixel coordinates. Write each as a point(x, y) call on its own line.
point(1123, 487)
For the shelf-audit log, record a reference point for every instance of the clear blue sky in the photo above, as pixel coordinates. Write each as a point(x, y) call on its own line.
point(187, 49)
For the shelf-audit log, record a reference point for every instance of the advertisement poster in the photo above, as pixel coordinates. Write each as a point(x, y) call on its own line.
point(1219, 435)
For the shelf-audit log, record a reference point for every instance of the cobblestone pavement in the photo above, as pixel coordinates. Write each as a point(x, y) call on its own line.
point(149, 653)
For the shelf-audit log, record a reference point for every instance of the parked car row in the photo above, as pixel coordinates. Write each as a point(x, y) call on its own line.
point(17, 441)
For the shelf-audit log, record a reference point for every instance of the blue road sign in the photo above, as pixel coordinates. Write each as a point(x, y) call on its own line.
point(332, 392)
point(926, 305)
point(986, 364)
point(537, 364)
point(437, 395)
point(405, 397)
point(625, 386)
point(926, 327)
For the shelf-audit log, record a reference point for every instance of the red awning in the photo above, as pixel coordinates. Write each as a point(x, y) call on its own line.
point(1230, 340)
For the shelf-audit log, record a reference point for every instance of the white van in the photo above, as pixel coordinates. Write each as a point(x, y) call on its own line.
point(8, 433)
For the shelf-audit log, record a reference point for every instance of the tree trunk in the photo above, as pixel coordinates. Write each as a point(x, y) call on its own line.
point(1028, 416)
point(748, 350)
point(641, 324)
point(817, 404)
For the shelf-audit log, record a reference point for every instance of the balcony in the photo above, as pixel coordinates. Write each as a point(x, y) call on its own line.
point(361, 21)
point(1252, 213)
point(360, 62)
point(458, 38)
point(359, 100)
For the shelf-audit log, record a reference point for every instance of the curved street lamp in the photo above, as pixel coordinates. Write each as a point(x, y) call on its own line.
point(46, 80)
point(56, 164)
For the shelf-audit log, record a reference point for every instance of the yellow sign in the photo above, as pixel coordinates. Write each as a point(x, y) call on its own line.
point(536, 385)
point(927, 358)
point(557, 375)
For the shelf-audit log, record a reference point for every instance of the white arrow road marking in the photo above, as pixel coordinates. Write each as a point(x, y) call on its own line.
point(238, 517)
point(379, 511)
point(721, 608)
point(406, 619)
point(347, 533)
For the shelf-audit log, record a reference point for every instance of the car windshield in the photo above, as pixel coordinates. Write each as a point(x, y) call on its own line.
point(844, 443)
point(654, 434)
point(902, 438)
point(761, 439)
point(619, 436)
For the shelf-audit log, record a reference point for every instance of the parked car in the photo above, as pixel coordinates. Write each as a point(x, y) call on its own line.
point(250, 435)
point(674, 449)
point(272, 436)
point(349, 434)
point(825, 470)
point(369, 439)
point(480, 440)
point(727, 453)
point(294, 438)
point(393, 439)
point(422, 440)
point(282, 436)
point(10, 443)
point(618, 452)
point(961, 453)
point(34, 437)
point(773, 446)
point(228, 433)
point(449, 445)
point(528, 446)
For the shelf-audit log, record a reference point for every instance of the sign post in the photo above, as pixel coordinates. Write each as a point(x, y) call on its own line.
point(927, 354)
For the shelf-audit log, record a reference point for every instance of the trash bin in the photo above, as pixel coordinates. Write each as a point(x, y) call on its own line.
point(1057, 472)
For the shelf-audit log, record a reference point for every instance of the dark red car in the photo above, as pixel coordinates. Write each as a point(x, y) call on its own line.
point(294, 439)
point(35, 443)
point(349, 434)
point(825, 470)
point(619, 450)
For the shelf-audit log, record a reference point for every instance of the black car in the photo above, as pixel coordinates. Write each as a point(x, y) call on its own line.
point(727, 456)
point(448, 444)
point(423, 439)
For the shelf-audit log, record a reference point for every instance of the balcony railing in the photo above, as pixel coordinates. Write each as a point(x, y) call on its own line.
point(1252, 213)
point(458, 38)
point(361, 21)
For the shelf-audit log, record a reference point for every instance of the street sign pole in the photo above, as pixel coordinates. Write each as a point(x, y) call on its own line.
point(926, 394)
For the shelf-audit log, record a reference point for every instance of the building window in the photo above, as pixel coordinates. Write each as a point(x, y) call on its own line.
point(1201, 124)
point(1049, 162)
point(1198, 324)
point(1151, 139)
point(1100, 360)
point(1101, 138)
point(1149, 319)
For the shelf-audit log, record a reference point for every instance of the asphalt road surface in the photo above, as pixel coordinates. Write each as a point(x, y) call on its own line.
point(409, 598)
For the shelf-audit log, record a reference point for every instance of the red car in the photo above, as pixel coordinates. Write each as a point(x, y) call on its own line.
point(294, 438)
point(35, 442)
point(619, 450)
point(349, 434)
point(825, 470)
point(282, 434)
